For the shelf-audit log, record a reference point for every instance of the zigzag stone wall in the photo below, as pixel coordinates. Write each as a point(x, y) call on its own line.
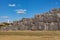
point(46, 21)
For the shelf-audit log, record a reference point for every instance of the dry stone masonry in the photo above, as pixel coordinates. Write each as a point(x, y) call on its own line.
point(46, 21)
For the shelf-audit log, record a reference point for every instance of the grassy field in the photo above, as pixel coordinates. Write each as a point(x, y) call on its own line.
point(29, 38)
point(30, 35)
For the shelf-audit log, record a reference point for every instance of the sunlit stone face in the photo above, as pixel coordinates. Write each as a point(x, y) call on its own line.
point(58, 14)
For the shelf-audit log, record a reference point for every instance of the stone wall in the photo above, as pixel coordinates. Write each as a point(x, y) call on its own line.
point(46, 21)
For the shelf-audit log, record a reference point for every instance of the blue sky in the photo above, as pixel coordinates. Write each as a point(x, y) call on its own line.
point(18, 9)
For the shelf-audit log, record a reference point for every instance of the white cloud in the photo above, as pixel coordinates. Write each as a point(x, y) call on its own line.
point(21, 11)
point(4, 17)
point(12, 5)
